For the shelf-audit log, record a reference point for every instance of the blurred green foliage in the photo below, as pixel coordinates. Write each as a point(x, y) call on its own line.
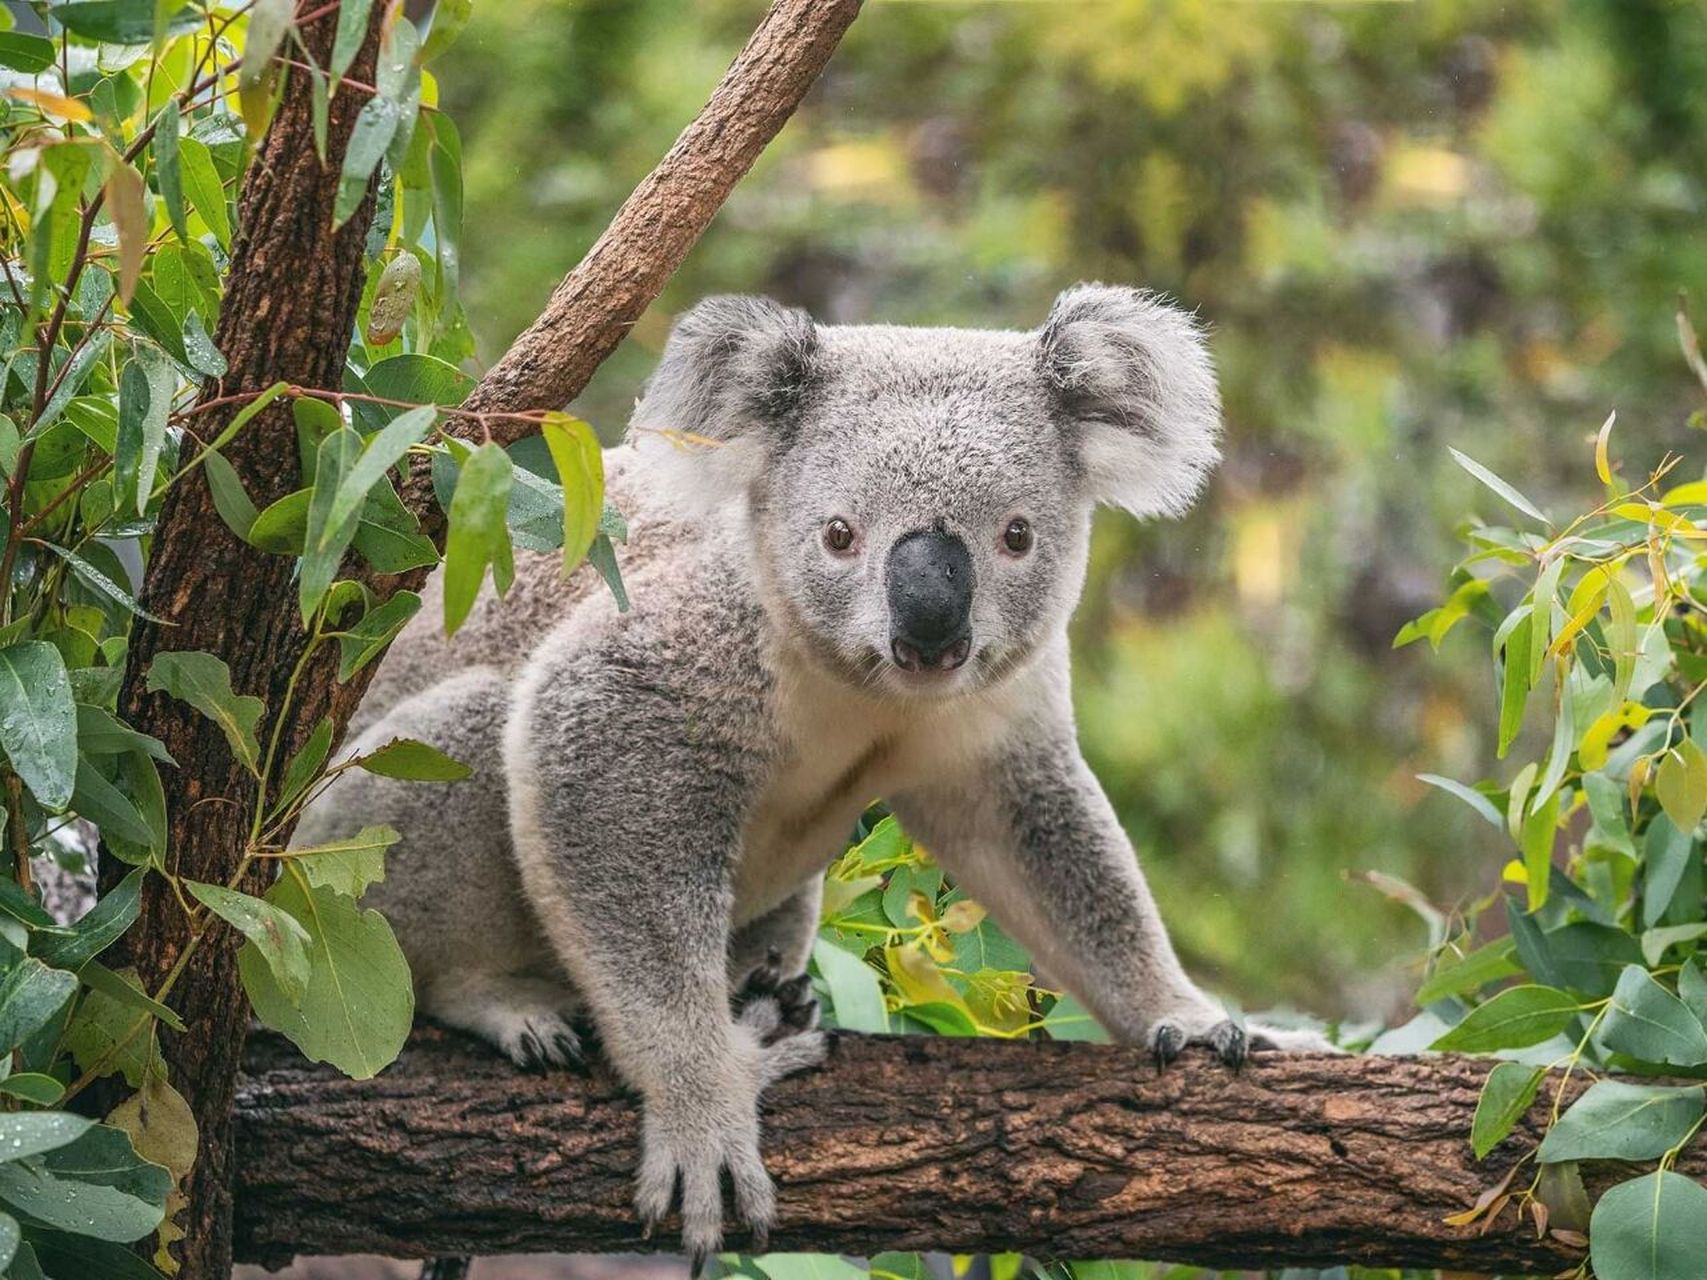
point(1410, 225)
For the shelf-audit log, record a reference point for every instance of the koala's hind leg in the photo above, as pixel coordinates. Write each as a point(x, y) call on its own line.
point(787, 929)
point(528, 1019)
point(1033, 838)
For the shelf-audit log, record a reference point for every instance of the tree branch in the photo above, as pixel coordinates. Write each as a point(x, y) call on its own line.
point(595, 305)
point(1059, 1150)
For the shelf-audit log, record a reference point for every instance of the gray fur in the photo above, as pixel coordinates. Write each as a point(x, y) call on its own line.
point(657, 793)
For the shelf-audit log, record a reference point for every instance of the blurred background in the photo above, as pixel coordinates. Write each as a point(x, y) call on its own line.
point(1410, 225)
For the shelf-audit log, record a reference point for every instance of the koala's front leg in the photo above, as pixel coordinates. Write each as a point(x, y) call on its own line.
point(629, 870)
point(1032, 837)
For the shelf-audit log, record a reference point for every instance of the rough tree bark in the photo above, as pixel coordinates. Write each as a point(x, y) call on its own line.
point(288, 312)
point(1057, 1150)
point(289, 308)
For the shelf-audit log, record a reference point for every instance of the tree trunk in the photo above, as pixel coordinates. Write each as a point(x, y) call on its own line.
point(289, 308)
point(1058, 1150)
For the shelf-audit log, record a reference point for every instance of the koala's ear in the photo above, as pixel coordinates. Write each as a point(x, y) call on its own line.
point(1133, 374)
point(733, 374)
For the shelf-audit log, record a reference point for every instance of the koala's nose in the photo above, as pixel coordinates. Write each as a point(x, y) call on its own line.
point(929, 575)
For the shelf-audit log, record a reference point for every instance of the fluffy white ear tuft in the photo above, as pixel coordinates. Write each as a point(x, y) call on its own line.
point(733, 374)
point(1133, 372)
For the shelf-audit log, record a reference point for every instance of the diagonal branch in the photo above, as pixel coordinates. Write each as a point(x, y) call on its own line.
point(1058, 1150)
point(597, 302)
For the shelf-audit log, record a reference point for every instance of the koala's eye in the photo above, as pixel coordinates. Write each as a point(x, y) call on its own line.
point(838, 535)
point(1017, 537)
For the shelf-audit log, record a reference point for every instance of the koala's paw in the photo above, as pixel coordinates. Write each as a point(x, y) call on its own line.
point(773, 1006)
point(537, 1040)
point(693, 1152)
point(1224, 1037)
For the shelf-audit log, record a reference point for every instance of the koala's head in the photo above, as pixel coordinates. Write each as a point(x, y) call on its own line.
point(919, 500)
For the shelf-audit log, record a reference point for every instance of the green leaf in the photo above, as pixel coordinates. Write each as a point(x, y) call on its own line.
point(100, 802)
point(1646, 1021)
point(449, 18)
point(120, 991)
point(203, 187)
point(602, 556)
point(856, 996)
point(1469, 795)
point(412, 377)
point(1666, 851)
point(115, 1034)
point(168, 174)
point(124, 21)
point(1506, 1095)
point(33, 1087)
point(30, 1133)
point(415, 761)
point(1619, 1121)
point(1651, 1228)
point(1543, 602)
point(1606, 803)
point(352, 30)
point(1589, 958)
point(325, 542)
point(479, 535)
point(1692, 988)
point(347, 866)
point(31, 994)
point(230, 498)
point(374, 129)
point(1514, 1019)
point(29, 54)
point(96, 1186)
point(203, 681)
point(1469, 973)
point(1682, 784)
point(275, 935)
point(281, 525)
point(365, 641)
point(101, 926)
point(1514, 683)
point(383, 451)
point(75, 372)
point(145, 399)
point(38, 721)
point(389, 536)
point(1539, 830)
point(93, 578)
point(67, 1254)
point(1499, 486)
point(269, 22)
point(1068, 1019)
point(305, 765)
point(203, 356)
point(581, 471)
point(359, 1004)
point(1623, 638)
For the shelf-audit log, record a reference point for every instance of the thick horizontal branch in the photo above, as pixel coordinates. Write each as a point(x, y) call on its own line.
point(1058, 1150)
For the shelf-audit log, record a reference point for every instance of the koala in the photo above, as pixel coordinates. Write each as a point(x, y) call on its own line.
point(855, 586)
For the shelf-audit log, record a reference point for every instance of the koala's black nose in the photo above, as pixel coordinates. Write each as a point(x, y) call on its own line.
point(929, 576)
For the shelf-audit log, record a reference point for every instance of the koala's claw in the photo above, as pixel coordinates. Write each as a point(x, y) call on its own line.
point(775, 1009)
point(543, 1041)
point(690, 1167)
point(1167, 1041)
point(1226, 1039)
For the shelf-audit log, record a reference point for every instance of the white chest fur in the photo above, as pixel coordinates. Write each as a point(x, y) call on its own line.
point(842, 750)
